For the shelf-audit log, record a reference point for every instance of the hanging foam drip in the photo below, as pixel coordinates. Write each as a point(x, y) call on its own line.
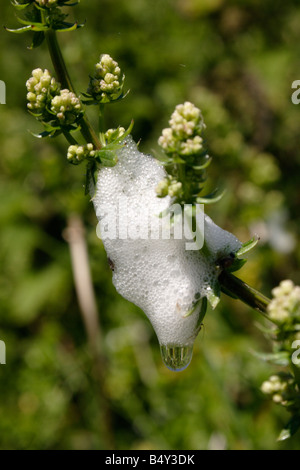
point(158, 275)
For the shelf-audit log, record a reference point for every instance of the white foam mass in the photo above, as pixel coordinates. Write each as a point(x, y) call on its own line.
point(159, 276)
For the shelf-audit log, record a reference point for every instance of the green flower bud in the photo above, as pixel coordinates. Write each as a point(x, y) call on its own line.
point(77, 153)
point(282, 388)
point(175, 188)
point(67, 107)
point(107, 82)
point(191, 146)
point(186, 120)
point(42, 88)
point(46, 3)
point(285, 305)
point(112, 135)
point(183, 137)
point(162, 188)
point(167, 140)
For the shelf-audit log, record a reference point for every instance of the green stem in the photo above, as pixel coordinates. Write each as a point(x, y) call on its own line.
point(101, 117)
point(69, 138)
point(181, 178)
point(296, 372)
point(58, 60)
point(63, 77)
point(245, 293)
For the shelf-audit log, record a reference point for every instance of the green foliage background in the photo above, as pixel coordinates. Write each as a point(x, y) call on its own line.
point(234, 59)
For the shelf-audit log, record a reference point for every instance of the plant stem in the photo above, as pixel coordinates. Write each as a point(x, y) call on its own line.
point(69, 138)
point(63, 77)
point(101, 118)
point(74, 235)
point(58, 60)
point(245, 293)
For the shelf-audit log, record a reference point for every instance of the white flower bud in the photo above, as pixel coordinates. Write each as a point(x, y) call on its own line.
point(77, 153)
point(285, 305)
point(66, 106)
point(107, 82)
point(41, 89)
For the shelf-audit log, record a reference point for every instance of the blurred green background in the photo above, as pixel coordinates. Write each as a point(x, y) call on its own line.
point(234, 59)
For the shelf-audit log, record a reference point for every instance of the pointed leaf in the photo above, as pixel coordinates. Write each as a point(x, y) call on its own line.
point(236, 265)
point(38, 38)
point(19, 30)
point(41, 135)
point(69, 4)
point(210, 198)
point(194, 306)
point(20, 6)
point(247, 246)
point(205, 165)
point(31, 23)
point(290, 429)
point(213, 296)
point(202, 311)
point(178, 159)
point(280, 359)
point(68, 27)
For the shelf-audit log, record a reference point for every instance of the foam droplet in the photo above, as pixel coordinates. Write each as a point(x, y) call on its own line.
point(176, 358)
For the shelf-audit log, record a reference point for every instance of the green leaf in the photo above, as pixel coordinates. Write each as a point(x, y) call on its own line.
point(68, 27)
point(247, 246)
point(177, 159)
point(44, 134)
point(38, 38)
point(213, 295)
point(19, 30)
point(236, 265)
point(290, 429)
point(128, 130)
point(202, 311)
point(194, 306)
point(20, 6)
point(32, 23)
point(210, 198)
point(40, 135)
point(205, 165)
point(39, 28)
point(279, 359)
point(66, 3)
point(107, 157)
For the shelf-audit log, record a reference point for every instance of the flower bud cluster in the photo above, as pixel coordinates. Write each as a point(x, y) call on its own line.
point(184, 135)
point(169, 186)
point(41, 89)
point(111, 135)
point(77, 153)
point(186, 160)
point(281, 388)
point(46, 3)
point(67, 107)
point(107, 82)
point(285, 305)
point(48, 102)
